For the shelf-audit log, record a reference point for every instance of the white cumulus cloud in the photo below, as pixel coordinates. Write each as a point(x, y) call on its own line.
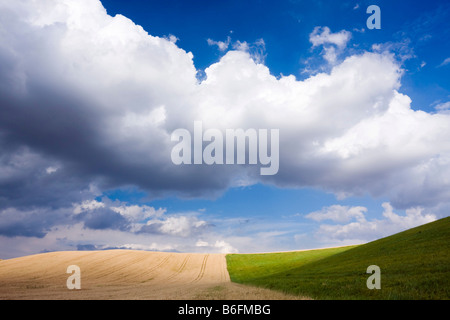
point(323, 35)
point(363, 230)
point(338, 213)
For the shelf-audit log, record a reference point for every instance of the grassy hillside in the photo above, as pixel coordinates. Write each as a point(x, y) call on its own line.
point(415, 264)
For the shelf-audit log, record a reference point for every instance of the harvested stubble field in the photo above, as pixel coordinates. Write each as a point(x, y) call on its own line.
point(125, 274)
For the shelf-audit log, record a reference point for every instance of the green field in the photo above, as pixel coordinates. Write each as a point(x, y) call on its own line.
point(414, 264)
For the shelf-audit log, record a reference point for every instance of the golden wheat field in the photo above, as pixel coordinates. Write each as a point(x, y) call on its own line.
point(125, 274)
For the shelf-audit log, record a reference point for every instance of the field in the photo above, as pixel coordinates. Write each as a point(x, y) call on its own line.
point(125, 274)
point(414, 264)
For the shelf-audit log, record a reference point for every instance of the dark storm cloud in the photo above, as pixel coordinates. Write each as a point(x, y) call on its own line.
point(44, 106)
point(31, 223)
point(26, 182)
point(68, 129)
point(103, 218)
point(87, 247)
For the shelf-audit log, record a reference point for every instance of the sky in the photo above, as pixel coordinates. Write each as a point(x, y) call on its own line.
point(92, 92)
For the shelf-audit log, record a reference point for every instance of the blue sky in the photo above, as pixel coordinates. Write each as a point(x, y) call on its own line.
point(91, 92)
point(418, 28)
